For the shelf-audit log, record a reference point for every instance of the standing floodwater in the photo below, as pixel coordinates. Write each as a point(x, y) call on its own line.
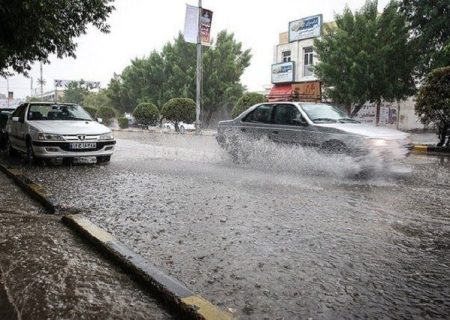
point(292, 234)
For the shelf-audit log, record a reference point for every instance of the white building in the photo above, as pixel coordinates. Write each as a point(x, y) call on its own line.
point(293, 58)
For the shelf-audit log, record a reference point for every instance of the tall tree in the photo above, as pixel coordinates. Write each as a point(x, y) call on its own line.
point(31, 30)
point(96, 100)
point(366, 57)
point(433, 101)
point(75, 92)
point(429, 23)
point(171, 73)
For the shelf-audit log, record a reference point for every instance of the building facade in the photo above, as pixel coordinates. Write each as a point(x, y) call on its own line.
point(292, 75)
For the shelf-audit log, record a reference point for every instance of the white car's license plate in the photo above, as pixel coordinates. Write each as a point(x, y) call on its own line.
point(83, 145)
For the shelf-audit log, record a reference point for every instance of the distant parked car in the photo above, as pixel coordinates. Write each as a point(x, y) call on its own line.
point(57, 130)
point(318, 125)
point(181, 125)
point(5, 113)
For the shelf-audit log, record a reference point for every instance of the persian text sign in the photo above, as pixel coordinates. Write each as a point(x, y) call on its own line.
point(310, 27)
point(283, 72)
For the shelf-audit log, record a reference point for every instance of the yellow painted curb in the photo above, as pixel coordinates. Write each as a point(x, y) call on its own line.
point(206, 309)
point(95, 231)
point(420, 149)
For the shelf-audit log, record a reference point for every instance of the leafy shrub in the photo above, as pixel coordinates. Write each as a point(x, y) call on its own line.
point(123, 122)
point(247, 100)
point(179, 110)
point(91, 111)
point(433, 100)
point(146, 114)
point(106, 114)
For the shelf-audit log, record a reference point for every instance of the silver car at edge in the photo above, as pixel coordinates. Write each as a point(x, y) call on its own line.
point(58, 130)
point(319, 125)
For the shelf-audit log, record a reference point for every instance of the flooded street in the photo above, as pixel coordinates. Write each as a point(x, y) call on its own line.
point(292, 234)
point(48, 272)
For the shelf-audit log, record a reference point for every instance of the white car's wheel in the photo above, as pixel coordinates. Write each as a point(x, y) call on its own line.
point(182, 130)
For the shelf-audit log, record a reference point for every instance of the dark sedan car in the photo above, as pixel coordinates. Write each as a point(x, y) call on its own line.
point(5, 113)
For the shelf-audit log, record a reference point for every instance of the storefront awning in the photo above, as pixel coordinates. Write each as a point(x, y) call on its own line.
point(280, 92)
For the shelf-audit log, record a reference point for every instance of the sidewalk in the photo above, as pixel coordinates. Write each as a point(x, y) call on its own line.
point(47, 272)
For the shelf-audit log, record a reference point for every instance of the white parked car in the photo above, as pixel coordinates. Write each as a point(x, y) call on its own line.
point(182, 126)
point(58, 130)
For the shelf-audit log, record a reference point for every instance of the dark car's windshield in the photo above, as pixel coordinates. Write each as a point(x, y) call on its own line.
point(57, 112)
point(325, 113)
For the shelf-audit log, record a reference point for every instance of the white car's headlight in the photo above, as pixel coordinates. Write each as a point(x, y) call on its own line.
point(50, 136)
point(378, 142)
point(107, 136)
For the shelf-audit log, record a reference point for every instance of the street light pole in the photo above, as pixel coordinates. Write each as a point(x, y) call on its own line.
point(199, 71)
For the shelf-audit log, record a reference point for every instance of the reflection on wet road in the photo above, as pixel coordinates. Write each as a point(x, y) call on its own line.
point(291, 234)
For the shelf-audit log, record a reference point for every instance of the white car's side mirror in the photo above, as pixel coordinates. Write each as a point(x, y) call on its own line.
point(99, 120)
point(15, 119)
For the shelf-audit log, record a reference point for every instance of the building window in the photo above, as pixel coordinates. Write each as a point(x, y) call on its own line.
point(286, 56)
point(308, 61)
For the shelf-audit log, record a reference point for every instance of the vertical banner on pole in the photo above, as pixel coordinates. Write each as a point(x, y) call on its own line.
point(191, 24)
point(205, 27)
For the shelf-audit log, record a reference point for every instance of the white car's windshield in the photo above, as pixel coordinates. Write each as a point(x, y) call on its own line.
point(325, 113)
point(57, 112)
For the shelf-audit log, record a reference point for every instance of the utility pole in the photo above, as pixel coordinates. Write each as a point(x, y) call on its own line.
point(31, 87)
point(41, 82)
point(199, 71)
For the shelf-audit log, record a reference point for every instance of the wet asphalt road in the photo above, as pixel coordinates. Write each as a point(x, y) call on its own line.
point(292, 234)
point(48, 272)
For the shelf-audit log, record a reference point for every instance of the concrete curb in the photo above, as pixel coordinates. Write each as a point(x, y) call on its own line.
point(427, 149)
point(171, 291)
point(32, 189)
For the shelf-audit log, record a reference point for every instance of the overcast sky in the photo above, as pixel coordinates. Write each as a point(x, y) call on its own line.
point(140, 26)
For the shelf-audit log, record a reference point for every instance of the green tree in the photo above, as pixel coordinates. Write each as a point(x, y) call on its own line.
point(171, 73)
point(429, 24)
point(247, 100)
point(32, 30)
point(107, 114)
point(75, 92)
point(146, 114)
point(123, 122)
point(366, 57)
point(96, 99)
point(92, 111)
point(179, 110)
point(433, 101)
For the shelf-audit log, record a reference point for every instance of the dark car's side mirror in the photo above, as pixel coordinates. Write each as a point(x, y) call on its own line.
point(300, 122)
